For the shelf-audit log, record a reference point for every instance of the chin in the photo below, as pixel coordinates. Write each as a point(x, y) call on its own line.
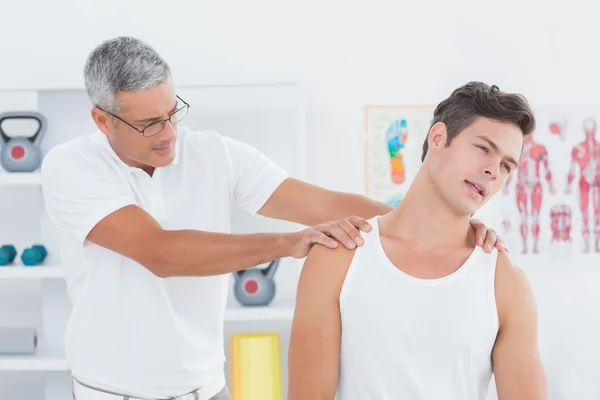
point(463, 208)
point(466, 212)
point(161, 163)
point(161, 160)
point(459, 205)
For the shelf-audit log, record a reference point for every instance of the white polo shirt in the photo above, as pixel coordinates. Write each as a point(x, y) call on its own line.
point(130, 331)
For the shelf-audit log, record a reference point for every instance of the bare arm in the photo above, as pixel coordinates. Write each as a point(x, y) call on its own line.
point(314, 351)
point(307, 204)
point(518, 369)
point(132, 232)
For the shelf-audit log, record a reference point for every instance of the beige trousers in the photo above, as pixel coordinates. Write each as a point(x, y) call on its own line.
point(85, 392)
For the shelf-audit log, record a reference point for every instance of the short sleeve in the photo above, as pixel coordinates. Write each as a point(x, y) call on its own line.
point(254, 177)
point(77, 193)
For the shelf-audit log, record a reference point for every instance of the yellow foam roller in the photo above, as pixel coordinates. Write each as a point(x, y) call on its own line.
point(256, 367)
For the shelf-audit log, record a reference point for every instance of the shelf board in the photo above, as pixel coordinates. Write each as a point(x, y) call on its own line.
point(35, 272)
point(20, 178)
point(41, 361)
point(278, 310)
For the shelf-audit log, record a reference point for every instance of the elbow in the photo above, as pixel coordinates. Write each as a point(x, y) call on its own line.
point(156, 264)
point(155, 258)
point(159, 272)
point(160, 264)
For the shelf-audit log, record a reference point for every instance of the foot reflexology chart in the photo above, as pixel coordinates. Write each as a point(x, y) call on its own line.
point(395, 136)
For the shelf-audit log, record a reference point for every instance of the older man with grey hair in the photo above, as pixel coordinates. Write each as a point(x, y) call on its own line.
point(143, 207)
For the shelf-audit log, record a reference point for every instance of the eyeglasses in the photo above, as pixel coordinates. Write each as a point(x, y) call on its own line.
point(155, 127)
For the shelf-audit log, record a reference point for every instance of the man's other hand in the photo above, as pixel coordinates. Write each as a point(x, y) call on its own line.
point(486, 237)
point(329, 234)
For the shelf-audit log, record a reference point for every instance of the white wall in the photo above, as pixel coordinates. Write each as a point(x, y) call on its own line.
point(376, 52)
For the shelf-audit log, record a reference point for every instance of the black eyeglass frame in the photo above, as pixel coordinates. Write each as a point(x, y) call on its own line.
point(186, 105)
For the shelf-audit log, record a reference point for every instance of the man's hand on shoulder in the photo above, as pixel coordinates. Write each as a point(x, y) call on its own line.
point(486, 237)
point(347, 232)
point(330, 234)
point(516, 359)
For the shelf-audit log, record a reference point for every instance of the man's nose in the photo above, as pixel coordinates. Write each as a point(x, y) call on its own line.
point(168, 132)
point(492, 172)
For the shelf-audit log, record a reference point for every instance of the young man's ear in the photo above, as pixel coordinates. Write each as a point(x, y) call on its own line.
point(437, 137)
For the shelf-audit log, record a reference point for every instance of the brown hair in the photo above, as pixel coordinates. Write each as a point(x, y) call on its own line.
point(476, 99)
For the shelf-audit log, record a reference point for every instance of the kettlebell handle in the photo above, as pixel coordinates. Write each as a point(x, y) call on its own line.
point(36, 137)
point(271, 269)
point(238, 274)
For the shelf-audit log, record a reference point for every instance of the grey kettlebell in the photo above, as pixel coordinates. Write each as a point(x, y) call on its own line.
point(21, 153)
point(256, 286)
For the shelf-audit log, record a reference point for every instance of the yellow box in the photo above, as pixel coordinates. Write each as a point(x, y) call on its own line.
point(256, 367)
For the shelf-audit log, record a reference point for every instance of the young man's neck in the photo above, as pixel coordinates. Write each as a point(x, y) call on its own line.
point(425, 219)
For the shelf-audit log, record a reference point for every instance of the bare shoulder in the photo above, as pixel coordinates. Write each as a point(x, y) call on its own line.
point(325, 269)
point(512, 290)
point(328, 261)
point(509, 276)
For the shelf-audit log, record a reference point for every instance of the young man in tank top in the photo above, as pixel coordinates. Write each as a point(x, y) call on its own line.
point(419, 312)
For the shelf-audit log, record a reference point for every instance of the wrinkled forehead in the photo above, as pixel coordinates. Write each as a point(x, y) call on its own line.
point(154, 101)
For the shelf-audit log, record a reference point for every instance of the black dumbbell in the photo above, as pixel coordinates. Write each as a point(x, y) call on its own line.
point(34, 255)
point(7, 254)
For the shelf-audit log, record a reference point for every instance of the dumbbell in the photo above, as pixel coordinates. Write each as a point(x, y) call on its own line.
point(34, 255)
point(7, 254)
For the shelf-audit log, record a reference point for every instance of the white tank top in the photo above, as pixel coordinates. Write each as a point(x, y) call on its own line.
point(418, 339)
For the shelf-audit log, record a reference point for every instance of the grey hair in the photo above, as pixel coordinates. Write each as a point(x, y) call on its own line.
point(122, 64)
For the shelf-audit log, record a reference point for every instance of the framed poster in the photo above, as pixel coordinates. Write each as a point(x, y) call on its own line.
point(551, 204)
point(394, 144)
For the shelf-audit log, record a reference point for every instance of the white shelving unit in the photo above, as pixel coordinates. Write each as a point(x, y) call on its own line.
point(25, 225)
point(18, 270)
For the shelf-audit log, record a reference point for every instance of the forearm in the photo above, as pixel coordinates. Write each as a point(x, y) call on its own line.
point(309, 384)
point(198, 253)
point(348, 204)
point(310, 205)
point(522, 384)
point(339, 205)
point(313, 365)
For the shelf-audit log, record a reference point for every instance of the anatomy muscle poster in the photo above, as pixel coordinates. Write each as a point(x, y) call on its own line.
point(553, 199)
